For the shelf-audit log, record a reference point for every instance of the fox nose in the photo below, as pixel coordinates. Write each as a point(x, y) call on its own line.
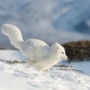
point(66, 57)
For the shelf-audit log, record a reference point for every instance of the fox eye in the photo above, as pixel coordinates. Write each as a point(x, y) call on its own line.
point(57, 47)
point(62, 52)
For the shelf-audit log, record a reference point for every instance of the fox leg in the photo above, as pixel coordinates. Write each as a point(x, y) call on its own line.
point(45, 70)
point(31, 62)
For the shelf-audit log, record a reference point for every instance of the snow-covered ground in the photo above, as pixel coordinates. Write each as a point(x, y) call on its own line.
point(19, 77)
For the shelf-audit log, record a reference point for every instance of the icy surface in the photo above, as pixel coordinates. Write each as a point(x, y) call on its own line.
point(18, 77)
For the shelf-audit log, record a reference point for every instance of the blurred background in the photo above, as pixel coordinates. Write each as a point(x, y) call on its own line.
point(49, 20)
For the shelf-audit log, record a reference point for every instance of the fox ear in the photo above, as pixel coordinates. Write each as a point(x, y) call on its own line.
point(55, 45)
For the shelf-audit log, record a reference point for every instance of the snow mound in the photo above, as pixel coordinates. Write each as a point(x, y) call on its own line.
point(18, 77)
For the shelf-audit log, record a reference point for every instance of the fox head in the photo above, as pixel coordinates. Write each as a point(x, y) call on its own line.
point(59, 49)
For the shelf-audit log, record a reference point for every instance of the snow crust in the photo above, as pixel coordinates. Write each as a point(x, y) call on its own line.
point(18, 77)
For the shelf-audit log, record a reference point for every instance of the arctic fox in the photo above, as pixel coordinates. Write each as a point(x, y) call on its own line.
point(39, 55)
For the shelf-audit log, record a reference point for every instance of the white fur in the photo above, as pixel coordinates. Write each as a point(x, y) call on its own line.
point(40, 56)
point(13, 33)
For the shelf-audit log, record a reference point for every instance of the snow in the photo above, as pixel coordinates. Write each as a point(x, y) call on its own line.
point(19, 77)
